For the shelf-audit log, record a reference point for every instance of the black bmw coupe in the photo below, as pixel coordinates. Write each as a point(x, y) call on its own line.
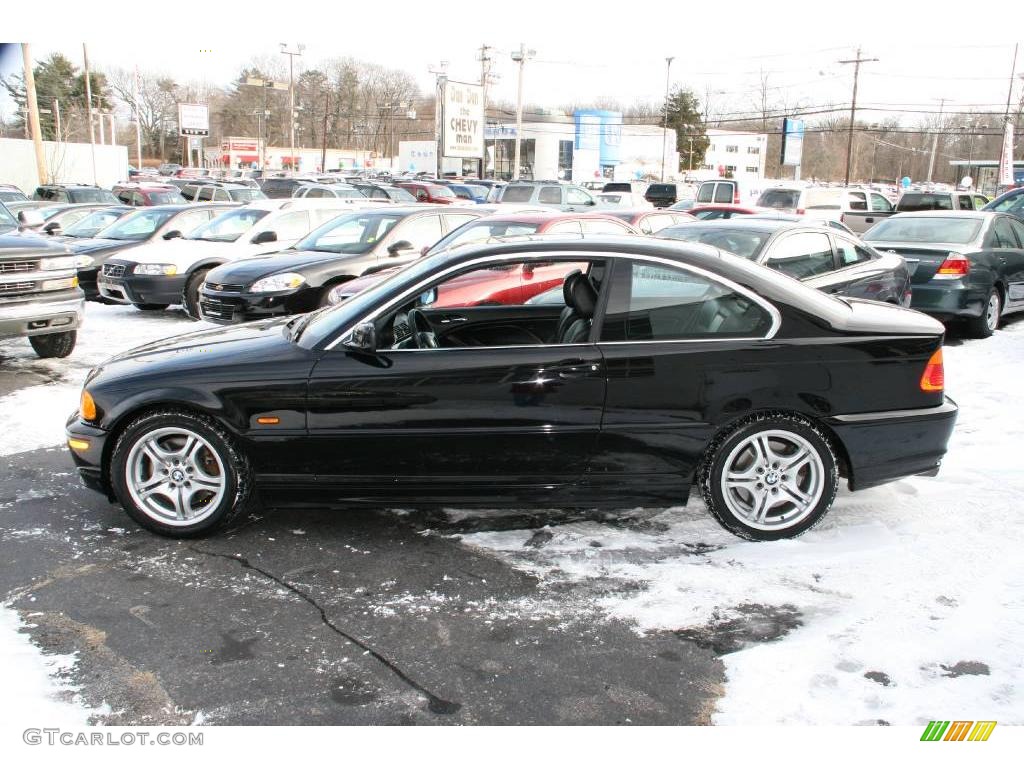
point(668, 366)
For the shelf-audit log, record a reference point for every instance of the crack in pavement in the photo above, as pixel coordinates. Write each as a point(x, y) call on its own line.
point(435, 703)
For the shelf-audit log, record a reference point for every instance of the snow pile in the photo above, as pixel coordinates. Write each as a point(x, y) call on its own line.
point(905, 605)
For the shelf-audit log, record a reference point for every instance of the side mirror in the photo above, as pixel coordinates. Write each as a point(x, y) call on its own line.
point(363, 338)
point(424, 251)
point(30, 218)
point(591, 202)
point(398, 246)
point(172, 234)
point(52, 228)
point(266, 236)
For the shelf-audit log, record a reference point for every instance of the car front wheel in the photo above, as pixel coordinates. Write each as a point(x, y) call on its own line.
point(180, 474)
point(190, 295)
point(54, 344)
point(772, 477)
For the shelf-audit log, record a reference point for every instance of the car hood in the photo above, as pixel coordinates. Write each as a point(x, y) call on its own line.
point(248, 270)
point(96, 245)
point(29, 244)
point(179, 251)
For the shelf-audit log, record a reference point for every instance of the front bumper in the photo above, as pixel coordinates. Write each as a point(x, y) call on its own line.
point(883, 447)
point(948, 300)
point(89, 461)
point(41, 313)
point(142, 289)
point(230, 307)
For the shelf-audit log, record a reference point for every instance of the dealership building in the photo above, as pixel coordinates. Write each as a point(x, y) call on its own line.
point(735, 154)
point(247, 152)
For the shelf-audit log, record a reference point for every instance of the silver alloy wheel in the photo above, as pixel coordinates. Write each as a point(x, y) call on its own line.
point(175, 476)
point(773, 480)
point(992, 311)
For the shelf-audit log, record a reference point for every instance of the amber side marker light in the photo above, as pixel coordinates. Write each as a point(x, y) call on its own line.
point(87, 407)
point(934, 377)
point(267, 420)
point(78, 445)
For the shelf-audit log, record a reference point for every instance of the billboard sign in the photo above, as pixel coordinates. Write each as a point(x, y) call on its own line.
point(463, 120)
point(193, 120)
point(599, 129)
point(1006, 158)
point(792, 141)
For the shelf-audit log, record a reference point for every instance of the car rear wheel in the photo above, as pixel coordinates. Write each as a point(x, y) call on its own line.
point(984, 326)
point(54, 344)
point(151, 307)
point(190, 294)
point(180, 474)
point(772, 477)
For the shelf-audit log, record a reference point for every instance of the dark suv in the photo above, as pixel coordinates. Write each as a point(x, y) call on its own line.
point(278, 188)
point(662, 195)
point(74, 193)
point(142, 194)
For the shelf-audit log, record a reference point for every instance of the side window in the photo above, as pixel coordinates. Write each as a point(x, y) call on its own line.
point(205, 194)
point(879, 203)
point(125, 196)
point(804, 254)
point(190, 220)
point(1002, 235)
point(652, 224)
point(319, 215)
point(378, 194)
point(422, 231)
point(980, 202)
point(565, 228)
point(292, 225)
point(550, 195)
point(723, 192)
point(576, 196)
point(858, 201)
point(654, 302)
point(1018, 230)
point(851, 253)
point(603, 227)
point(189, 192)
point(964, 203)
point(456, 220)
point(421, 194)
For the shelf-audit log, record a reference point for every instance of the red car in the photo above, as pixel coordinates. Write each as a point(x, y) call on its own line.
point(722, 211)
point(426, 192)
point(138, 194)
point(517, 284)
point(649, 222)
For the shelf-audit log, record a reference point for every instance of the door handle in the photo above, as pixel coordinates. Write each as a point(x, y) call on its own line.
point(452, 319)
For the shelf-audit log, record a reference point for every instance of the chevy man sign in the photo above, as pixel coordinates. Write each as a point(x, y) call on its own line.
point(193, 120)
point(463, 120)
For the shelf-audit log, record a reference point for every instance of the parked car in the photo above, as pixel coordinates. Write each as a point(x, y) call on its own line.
point(89, 225)
point(861, 221)
point(153, 224)
point(74, 193)
point(649, 221)
point(53, 219)
point(301, 278)
point(721, 191)
point(10, 193)
point(140, 194)
point(664, 194)
point(221, 191)
point(385, 192)
point(566, 197)
point(966, 265)
point(165, 273)
point(277, 188)
point(622, 200)
point(683, 205)
point(472, 192)
point(819, 256)
point(807, 218)
point(341, 191)
point(39, 295)
point(712, 211)
point(1011, 202)
point(632, 187)
point(192, 173)
point(168, 169)
point(394, 399)
point(428, 192)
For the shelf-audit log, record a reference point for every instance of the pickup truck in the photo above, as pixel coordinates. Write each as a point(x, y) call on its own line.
point(39, 293)
point(914, 202)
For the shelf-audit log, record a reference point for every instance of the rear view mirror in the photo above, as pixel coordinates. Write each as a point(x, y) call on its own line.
point(363, 338)
point(172, 234)
point(398, 246)
point(266, 236)
point(30, 218)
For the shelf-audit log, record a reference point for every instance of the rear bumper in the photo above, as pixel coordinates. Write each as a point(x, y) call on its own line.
point(883, 447)
point(142, 289)
point(948, 301)
point(41, 313)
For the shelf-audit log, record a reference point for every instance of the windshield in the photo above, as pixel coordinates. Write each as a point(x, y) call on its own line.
point(246, 195)
point(741, 242)
point(442, 193)
point(779, 198)
point(7, 221)
point(825, 199)
point(92, 223)
point(170, 197)
point(481, 232)
point(137, 226)
point(87, 195)
point(930, 229)
point(10, 195)
point(1011, 204)
point(519, 193)
point(913, 201)
point(354, 233)
point(401, 195)
point(229, 226)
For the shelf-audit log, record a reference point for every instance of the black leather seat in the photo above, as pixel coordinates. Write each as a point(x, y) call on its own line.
point(580, 304)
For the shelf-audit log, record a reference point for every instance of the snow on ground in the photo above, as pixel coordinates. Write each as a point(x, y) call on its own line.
point(33, 693)
point(34, 416)
point(905, 605)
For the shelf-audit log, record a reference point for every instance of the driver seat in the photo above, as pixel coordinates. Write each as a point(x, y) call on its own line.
point(580, 302)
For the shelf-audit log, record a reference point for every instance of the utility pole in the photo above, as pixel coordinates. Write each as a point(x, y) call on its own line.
point(323, 151)
point(56, 119)
point(935, 141)
point(33, 114)
point(138, 120)
point(291, 91)
point(485, 76)
point(664, 119)
point(88, 110)
point(441, 73)
point(853, 107)
point(520, 58)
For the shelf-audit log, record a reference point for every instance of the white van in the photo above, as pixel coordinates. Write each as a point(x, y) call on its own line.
point(729, 191)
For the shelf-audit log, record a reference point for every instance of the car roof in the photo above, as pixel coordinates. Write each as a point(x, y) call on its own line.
point(947, 214)
point(544, 217)
point(753, 224)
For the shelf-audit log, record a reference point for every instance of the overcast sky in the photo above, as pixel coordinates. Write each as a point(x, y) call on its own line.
point(583, 51)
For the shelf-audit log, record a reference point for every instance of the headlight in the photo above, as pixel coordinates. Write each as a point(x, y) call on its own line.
point(84, 261)
point(57, 262)
point(156, 269)
point(282, 282)
point(56, 285)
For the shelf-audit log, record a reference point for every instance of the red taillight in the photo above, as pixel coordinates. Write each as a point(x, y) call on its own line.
point(736, 195)
point(800, 211)
point(955, 265)
point(934, 377)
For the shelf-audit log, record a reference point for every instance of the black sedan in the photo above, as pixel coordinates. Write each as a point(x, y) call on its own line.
point(967, 266)
point(821, 256)
point(669, 366)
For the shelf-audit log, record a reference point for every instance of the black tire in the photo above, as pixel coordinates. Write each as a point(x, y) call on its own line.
point(826, 477)
point(151, 307)
point(237, 476)
point(54, 344)
point(190, 294)
point(985, 325)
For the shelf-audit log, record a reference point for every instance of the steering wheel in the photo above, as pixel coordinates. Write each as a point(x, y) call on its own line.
point(423, 334)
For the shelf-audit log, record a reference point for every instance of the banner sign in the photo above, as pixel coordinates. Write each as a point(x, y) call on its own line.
point(193, 120)
point(1006, 158)
point(792, 141)
point(463, 120)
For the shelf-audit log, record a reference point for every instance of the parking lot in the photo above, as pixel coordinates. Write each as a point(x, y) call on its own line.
point(903, 603)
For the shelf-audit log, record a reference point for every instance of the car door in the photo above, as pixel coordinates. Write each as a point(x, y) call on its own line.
point(861, 274)
point(678, 347)
point(523, 416)
point(1011, 257)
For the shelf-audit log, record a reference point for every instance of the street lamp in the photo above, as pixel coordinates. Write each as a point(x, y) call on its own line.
point(291, 54)
point(664, 120)
point(520, 58)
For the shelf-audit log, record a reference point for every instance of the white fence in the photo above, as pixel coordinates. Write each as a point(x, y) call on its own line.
point(65, 162)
